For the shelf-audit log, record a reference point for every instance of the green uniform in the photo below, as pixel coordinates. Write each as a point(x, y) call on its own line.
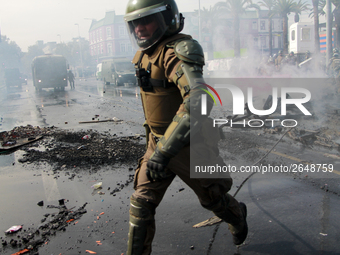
point(334, 71)
point(160, 106)
point(168, 69)
point(278, 62)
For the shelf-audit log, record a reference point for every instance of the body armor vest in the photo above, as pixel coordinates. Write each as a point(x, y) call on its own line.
point(160, 97)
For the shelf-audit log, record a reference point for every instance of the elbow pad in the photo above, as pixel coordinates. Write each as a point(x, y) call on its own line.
point(176, 136)
point(188, 76)
point(189, 70)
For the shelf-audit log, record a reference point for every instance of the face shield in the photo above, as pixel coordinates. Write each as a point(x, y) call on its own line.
point(145, 29)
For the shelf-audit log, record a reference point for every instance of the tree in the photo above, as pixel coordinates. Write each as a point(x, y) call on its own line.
point(33, 51)
point(208, 22)
point(284, 8)
point(207, 19)
point(64, 50)
point(269, 4)
point(316, 25)
point(76, 57)
point(301, 6)
point(318, 6)
point(10, 54)
point(235, 8)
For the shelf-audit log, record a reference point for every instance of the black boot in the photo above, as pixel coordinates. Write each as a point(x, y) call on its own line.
point(240, 231)
point(234, 213)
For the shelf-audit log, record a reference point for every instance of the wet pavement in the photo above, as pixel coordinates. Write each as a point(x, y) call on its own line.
point(287, 214)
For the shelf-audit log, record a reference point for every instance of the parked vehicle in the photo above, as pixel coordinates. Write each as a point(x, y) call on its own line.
point(118, 71)
point(23, 78)
point(49, 71)
point(12, 77)
point(106, 72)
point(99, 71)
point(123, 73)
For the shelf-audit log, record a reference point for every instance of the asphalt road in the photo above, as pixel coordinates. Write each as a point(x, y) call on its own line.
point(287, 214)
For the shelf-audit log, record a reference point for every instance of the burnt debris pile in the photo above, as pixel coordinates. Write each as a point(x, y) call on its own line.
point(28, 241)
point(68, 149)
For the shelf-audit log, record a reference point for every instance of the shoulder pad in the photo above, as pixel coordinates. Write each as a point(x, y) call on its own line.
point(189, 51)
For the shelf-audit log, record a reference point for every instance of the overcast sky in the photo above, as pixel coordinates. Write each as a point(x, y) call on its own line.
point(27, 21)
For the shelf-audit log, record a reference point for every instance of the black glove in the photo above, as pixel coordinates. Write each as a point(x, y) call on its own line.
point(156, 166)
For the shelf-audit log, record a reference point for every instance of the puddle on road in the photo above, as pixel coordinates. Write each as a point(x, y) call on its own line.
point(24, 189)
point(6, 160)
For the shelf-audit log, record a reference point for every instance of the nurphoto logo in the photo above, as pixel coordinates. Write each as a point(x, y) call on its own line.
point(239, 99)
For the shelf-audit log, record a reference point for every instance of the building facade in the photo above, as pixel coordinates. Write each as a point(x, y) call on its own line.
point(217, 33)
point(109, 38)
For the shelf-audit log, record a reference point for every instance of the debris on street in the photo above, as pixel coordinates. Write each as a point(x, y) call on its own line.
point(13, 229)
point(65, 149)
point(310, 137)
point(32, 238)
point(114, 119)
point(97, 185)
point(19, 136)
point(91, 252)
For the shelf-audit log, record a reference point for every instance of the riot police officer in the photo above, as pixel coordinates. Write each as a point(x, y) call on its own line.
point(333, 70)
point(333, 66)
point(70, 77)
point(169, 71)
point(279, 60)
point(292, 59)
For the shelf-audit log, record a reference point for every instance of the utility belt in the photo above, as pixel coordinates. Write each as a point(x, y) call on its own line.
point(145, 81)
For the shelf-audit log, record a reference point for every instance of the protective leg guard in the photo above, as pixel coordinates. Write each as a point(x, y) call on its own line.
point(141, 227)
point(233, 213)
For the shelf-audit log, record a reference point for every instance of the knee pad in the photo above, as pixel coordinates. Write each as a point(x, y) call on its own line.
point(141, 218)
point(141, 209)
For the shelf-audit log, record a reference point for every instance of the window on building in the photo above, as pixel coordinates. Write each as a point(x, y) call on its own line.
point(305, 34)
point(97, 39)
point(109, 48)
point(292, 35)
point(122, 47)
point(100, 34)
point(129, 47)
point(108, 32)
point(122, 31)
point(263, 25)
point(254, 25)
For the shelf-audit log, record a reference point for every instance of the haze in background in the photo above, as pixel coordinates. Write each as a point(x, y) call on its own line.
point(27, 21)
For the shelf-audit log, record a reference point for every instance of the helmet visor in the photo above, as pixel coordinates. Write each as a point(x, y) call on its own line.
point(145, 31)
